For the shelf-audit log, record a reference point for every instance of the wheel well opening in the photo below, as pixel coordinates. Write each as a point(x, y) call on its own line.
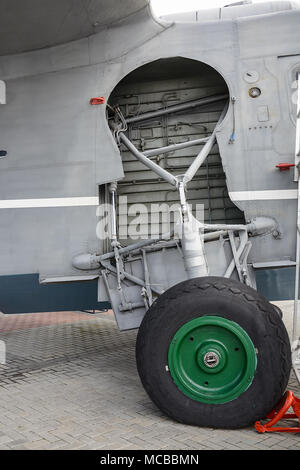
point(158, 85)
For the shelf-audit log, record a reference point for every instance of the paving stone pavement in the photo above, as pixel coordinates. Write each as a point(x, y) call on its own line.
point(70, 382)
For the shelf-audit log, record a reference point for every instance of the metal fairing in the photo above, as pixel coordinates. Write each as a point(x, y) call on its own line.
point(62, 156)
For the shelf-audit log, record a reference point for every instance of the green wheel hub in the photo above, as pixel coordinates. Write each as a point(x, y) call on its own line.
point(212, 359)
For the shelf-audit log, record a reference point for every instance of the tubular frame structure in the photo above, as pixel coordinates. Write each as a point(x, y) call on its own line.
point(121, 280)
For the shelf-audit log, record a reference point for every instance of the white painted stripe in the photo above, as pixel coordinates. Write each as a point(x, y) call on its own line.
point(48, 202)
point(263, 195)
point(2, 92)
point(94, 201)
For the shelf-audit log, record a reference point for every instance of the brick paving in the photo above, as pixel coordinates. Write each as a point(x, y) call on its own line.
point(70, 382)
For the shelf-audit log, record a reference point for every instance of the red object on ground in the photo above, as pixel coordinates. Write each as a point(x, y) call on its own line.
point(277, 415)
point(98, 100)
point(284, 166)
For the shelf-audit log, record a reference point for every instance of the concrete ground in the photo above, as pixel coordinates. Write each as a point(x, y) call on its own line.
point(70, 382)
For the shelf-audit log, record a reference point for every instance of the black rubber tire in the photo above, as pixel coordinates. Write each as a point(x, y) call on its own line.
point(278, 310)
point(236, 302)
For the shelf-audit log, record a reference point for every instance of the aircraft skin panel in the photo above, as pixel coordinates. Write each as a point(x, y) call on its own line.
point(24, 294)
point(35, 24)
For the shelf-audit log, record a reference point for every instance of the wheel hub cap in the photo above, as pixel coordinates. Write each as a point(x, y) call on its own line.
point(212, 359)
